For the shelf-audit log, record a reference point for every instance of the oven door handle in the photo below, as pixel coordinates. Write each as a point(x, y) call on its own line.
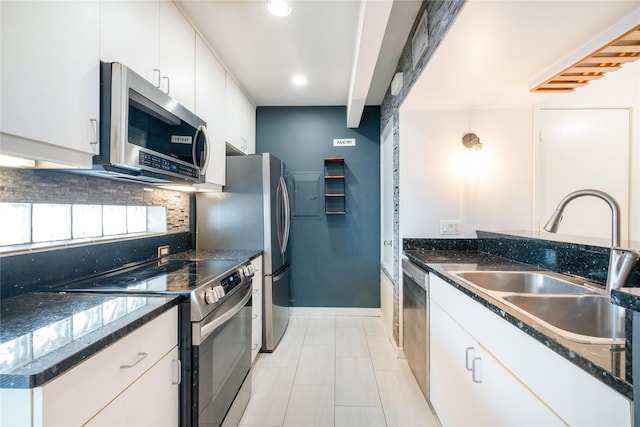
point(209, 328)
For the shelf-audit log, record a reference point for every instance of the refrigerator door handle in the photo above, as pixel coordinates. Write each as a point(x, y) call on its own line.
point(287, 215)
point(279, 214)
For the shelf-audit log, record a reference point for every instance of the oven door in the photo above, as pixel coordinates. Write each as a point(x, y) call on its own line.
point(221, 358)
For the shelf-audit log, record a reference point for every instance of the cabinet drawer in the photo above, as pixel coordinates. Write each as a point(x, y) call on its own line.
point(152, 400)
point(77, 395)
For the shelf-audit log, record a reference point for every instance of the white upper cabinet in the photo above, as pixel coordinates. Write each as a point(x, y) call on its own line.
point(177, 56)
point(210, 106)
point(241, 119)
point(50, 80)
point(129, 34)
point(154, 40)
point(248, 125)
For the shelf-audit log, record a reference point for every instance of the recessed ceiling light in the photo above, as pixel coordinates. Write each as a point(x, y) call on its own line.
point(279, 7)
point(299, 80)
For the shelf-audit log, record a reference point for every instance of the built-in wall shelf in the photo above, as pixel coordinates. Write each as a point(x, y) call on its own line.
point(335, 186)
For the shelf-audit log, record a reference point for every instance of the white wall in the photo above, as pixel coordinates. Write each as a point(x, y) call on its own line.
point(439, 179)
point(435, 184)
point(620, 89)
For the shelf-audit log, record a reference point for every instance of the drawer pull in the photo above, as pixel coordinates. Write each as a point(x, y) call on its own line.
point(156, 72)
point(467, 358)
point(141, 356)
point(177, 372)
point(255, 316)
point(476, 373)
point(255, 346)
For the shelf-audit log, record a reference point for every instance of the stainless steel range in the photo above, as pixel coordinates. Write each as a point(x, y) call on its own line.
point(215, 327)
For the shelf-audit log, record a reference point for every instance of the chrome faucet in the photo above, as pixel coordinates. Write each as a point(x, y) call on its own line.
point(621, 261)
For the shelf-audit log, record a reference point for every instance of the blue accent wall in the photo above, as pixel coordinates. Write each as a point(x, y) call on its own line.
point(335, 259)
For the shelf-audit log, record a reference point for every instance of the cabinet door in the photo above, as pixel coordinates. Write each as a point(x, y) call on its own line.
point(241, 119)
point(448, 376)
point(464, 373)
point(177, 55)
point(248, 125)
point(210, 106)
point(152, 400)
point(129, 34)
point(233, 99)
point(50, 78)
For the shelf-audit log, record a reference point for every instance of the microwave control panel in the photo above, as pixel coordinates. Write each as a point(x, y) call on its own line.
point(160, 163)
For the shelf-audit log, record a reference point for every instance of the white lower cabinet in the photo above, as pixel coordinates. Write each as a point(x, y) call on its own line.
point(134, 381)
point(152, 400)
point(470, 387)
point(256, 308)
point(522, 382)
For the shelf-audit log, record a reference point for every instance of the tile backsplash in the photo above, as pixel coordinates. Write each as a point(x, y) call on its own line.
point(47, 186)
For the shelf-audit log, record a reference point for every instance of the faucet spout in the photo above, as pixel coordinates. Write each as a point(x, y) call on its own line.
point(553, 223)
point(621, 261)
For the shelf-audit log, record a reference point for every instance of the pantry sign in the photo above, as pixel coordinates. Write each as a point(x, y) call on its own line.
point(344, 142)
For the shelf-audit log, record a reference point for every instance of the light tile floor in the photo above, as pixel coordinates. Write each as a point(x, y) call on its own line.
point(335, 371)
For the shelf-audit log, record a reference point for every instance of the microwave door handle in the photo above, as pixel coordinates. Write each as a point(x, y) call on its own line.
point(207, 149)
point(194, 148)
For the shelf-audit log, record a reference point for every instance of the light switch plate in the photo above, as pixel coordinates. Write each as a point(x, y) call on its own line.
point(450, 226)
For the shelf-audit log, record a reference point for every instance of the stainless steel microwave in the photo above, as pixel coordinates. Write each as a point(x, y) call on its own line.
point(145, 135)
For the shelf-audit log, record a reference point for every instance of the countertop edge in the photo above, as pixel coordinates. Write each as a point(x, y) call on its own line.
point(616, 383)
point(33, 380)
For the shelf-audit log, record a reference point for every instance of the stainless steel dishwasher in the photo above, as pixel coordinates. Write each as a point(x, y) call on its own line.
point(415, 314)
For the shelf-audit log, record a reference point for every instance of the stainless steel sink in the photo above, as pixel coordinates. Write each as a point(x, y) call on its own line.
point(525, 282)
point(582, 318)
point(576, 312)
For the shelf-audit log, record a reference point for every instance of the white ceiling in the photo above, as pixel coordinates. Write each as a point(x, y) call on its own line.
point(322, 39)
point(495, 48)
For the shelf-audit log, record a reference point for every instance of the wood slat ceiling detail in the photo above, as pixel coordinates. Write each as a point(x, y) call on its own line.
point(610, 57)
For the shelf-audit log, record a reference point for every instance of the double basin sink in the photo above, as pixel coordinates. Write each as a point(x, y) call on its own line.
point(577, 312)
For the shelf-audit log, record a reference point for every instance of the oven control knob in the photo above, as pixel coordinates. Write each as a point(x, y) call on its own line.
point(210, 297)
point(248, 271)
point(219, 291)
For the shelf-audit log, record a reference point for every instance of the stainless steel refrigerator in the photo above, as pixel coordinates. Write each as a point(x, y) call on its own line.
point(253, 213)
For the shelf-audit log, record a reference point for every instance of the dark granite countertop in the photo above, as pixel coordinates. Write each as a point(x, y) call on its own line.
point(218, 254)
point(43, 335)
point(627, 298)
point(603, 361)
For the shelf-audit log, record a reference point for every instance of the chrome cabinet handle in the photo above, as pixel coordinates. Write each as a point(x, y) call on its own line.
point(476, 373)
point(166, 79)
point(387, 242)
point(156, 72)
point(467, 358)
point(178, 370)
point(141, 356)
point(94, 130)
point(255, 346)
point(255, 316)
point(256, 290)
